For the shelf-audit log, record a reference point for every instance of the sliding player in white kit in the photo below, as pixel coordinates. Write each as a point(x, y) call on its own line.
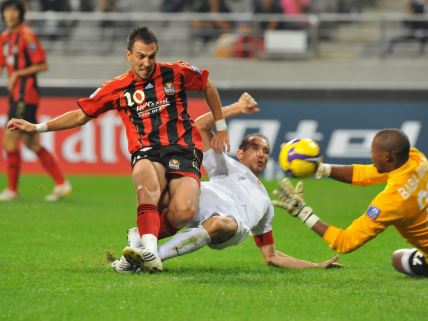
point(232, 204)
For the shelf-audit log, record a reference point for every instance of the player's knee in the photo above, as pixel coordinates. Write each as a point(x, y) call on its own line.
point(10, 144)
point(220, 228)
point(148, 194)
point(34, 147)
point(181, 213)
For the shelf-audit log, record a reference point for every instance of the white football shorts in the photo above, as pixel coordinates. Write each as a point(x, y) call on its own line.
point(213, 203)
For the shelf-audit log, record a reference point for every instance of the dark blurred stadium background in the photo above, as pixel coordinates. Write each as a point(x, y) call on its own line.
point(336, 73)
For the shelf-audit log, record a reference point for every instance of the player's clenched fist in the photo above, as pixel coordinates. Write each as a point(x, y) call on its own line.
point(21, 125)
point(248, 104)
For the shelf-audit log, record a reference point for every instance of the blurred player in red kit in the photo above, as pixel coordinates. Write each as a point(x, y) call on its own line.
point(23, 56)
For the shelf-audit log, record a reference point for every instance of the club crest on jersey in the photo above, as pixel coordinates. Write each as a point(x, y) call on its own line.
point(32, 47)
point(373, 212)
point(174, 164)
point(169, 88)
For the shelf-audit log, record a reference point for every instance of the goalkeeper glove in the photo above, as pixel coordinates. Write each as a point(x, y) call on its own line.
point(291, 199)
point(323, 170)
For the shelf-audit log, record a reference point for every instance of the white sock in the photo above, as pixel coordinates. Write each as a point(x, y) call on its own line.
point(185, 242)
point(134, 239)
point(150, 242)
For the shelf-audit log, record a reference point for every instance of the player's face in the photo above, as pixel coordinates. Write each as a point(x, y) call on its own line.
point(11, 17)
point(379, 157)
point(142, 59)
point(256, 155)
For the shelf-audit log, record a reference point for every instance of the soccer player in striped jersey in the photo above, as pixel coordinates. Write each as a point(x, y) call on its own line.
point(24, 57)
point(232, 205)
point(402, 204)
point(163, 140)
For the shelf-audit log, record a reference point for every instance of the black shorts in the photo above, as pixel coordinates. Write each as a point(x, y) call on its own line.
point(177, 160)
point(417, 263)
point(22, 111)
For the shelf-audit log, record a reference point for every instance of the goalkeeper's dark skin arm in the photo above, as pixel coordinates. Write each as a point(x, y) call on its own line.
point(320, 228)
point(342, 173)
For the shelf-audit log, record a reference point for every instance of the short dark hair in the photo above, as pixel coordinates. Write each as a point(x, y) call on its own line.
point(394, 141)
point(16, 4)
point(142, 33)
point(246, 140)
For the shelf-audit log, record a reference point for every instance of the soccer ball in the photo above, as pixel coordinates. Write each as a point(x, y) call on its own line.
point(299, 157)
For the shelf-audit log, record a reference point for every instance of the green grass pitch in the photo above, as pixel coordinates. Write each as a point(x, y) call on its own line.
point(53, 265)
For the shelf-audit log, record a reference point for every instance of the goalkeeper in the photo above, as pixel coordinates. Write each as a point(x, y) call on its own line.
point(232, 205)
point(403, 203)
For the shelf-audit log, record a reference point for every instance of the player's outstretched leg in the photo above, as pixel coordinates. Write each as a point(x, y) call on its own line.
point(185, 242)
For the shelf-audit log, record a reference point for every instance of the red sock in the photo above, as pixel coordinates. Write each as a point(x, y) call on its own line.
point(50, 165)
point(13, 169)
point(166, 228)
point(148, 219)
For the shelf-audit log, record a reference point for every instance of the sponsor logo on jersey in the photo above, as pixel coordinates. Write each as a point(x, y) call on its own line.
point(169, 88)
point(174, 164)
point(149, 108)
point(196, 69)
point(373, 212)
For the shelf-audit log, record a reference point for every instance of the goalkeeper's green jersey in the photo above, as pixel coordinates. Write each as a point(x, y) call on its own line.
point(403, 203)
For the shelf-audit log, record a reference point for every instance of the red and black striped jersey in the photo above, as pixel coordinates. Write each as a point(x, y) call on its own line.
point(20, 49)
point(153, 111)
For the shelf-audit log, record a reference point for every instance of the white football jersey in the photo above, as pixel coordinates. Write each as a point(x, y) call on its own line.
point(233, 190)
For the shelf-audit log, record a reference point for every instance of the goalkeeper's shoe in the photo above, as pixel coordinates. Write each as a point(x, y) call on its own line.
point(59, 192)
point(8, 195)
point(143, 258)
point(123, 266)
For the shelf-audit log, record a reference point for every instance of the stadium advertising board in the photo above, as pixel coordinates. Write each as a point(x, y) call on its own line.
point(344, 130)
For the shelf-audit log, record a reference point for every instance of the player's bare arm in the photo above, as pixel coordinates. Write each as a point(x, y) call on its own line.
point(246, 105)
point(31, 70)
point(67, 120)
point(220, 141)
point(278, 259)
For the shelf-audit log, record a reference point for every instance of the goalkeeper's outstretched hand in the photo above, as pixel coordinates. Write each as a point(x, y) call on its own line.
point(291, 199)
point(323, 170)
